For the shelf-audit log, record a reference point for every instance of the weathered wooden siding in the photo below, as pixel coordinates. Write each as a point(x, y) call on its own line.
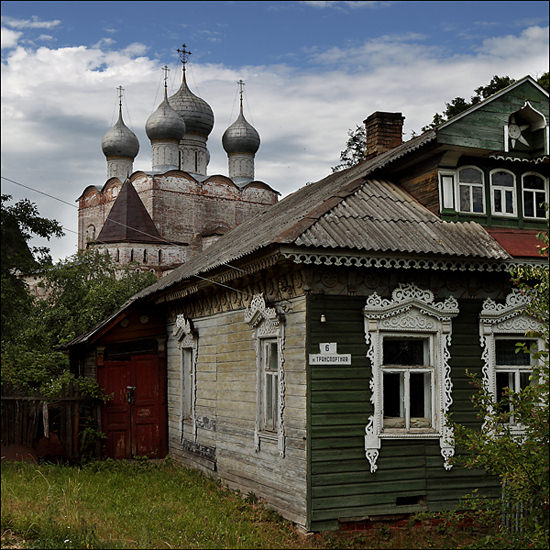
point(226, 395)
point(342, 486)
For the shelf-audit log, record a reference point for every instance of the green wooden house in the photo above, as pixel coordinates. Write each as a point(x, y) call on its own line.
point(310, 355)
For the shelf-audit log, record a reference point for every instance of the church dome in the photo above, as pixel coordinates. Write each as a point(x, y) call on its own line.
point(165, 123)
point(197, 114)
point(241, 137)
point(120, 141)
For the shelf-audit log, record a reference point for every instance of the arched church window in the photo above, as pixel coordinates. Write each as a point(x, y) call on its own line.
point(117, 257)
point(160, 256)
point(144, 255)
point(90, 233)
point(132, 255)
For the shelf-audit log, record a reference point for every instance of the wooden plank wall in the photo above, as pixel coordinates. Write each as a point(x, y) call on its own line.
point(226, 394)
point(342, 486)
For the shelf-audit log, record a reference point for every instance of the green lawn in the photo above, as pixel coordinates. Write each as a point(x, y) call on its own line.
point(143, 504)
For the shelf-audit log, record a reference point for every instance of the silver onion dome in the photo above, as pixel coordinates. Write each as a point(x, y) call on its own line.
point(241, 137)
point(165, 123)
point(197, 114)
point(120, 141)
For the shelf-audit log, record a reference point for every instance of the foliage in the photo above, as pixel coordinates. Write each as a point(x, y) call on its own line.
point(520, 462)
point(355, 149)
point(18, 223)
point(81, 291)
point(459, 104)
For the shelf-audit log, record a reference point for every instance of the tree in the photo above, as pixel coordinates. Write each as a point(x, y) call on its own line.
point(520, 462)
point(355, 149)
point(80, 292)
point(19, 222)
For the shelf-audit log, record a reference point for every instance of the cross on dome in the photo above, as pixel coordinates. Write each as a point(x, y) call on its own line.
point(184, 54)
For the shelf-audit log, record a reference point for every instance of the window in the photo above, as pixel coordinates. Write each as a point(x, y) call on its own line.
point(447, 190)
point(270, 386)
point(160, 257)
point(407, 383)
point(502, 326)
point(90, 233)
point(408, 339)
point(188, 343)
point(534, 196)
point(270, 375)
point(503, 193)
point(144, 255)
point(471, 196)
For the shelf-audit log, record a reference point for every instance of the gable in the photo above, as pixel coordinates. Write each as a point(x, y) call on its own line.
point(513, 121)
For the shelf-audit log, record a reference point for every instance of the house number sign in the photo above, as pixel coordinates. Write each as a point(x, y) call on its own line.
point(329, 356)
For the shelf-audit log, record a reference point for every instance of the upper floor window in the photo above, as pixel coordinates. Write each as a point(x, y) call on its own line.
point(503, 193)
point(471, 197)
point(535, 194)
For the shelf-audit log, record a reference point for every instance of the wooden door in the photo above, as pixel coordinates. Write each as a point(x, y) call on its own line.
point(134, 421)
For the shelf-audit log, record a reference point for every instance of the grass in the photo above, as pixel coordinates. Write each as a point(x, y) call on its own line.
point(144, 504)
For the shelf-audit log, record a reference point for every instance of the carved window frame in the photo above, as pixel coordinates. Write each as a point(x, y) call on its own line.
point(411, 312)
point(267, 325)
point(506, 320)
point(187, 339)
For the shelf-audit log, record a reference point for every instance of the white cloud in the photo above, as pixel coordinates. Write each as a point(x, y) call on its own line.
point(9, 38)
point(58, 102)
point(104, 42)
point(356, 4)
point(46, 37)
point(32, 23)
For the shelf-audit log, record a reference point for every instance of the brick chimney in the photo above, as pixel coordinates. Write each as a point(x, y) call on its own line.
point(384, 132)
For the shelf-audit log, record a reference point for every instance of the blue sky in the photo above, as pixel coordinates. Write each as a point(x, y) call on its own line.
point(313, 70)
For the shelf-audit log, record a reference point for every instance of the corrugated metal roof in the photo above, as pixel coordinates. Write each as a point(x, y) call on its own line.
point(382, 217)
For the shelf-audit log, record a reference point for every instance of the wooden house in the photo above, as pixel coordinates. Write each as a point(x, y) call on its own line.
point(311, 355)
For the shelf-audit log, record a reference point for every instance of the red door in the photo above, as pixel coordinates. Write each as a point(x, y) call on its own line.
point(134, 421)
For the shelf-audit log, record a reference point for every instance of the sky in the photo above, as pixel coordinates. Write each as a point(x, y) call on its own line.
point(312, 70)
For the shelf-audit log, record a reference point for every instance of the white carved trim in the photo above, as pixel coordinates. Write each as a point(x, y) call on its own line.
point(188, 338)
point(508, 319)
point(267, 324)
point(430, 263)
point(410, 310)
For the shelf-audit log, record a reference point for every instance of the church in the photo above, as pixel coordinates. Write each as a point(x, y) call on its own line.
point(159, 219)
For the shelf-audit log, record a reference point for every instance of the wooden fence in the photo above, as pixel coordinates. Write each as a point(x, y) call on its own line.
point(27, 417)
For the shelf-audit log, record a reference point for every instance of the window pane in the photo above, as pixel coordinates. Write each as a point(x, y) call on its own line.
point(268, 402)
point(275, 404)
point(528, 204)
point(477, 193)
point(465, 198)
point(540, 200)
point(447, 185)
point(393, 392)
point(524, 379)
point(187, 356)
point(505, 353)
point(497, 199)
point(420, 399)
point(533, 182)
point(509, 202)
point(504, 380)
point(404, 352)
point(469, 175)
point(502, 179)
point(273, 363)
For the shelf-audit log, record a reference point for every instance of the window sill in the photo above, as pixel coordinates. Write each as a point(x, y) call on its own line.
point(411, 434)
point(269, 436)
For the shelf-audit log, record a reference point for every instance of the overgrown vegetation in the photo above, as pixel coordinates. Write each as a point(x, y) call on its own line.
point(519, 461)
point(81, 291)
point(145, 504)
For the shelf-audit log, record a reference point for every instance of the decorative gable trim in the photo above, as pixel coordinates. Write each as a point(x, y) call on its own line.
point(410, 311)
